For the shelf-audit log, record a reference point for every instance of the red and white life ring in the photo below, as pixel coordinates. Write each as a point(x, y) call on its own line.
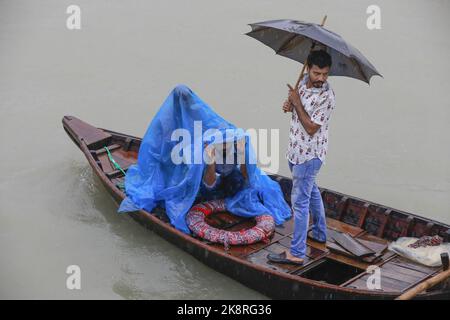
point(264, 228)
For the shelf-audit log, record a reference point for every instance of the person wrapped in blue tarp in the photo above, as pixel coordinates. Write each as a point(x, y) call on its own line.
point(181, 159)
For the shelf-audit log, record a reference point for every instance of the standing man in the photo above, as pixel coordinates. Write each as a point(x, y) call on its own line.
point(311, 108)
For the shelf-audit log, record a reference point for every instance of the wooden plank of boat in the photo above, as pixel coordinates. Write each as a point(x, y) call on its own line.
point(380, 250)
point(111, 148)
point(326, 274)
point(440, 278)
point(90, 135)
point(285, 229)
point(404, 263)
point(340, 226)
point(437, 279)
point(397, 274)
point(333, 246)
point(260, 257)
point(376, 246)
point(352, 245)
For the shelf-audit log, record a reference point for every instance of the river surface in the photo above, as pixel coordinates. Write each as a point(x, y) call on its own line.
point(388, 141)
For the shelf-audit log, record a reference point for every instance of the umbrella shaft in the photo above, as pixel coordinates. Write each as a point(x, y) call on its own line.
point(304, 64)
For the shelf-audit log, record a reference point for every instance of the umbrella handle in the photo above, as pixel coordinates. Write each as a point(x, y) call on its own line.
point(300, 78)
point(304, 64)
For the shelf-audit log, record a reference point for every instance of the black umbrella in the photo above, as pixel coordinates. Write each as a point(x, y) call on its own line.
point(295, 40)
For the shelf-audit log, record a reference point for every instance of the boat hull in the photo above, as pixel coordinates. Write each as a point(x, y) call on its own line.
point(271, 283)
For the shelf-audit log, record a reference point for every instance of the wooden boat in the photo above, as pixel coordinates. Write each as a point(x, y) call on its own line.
point(329, 272)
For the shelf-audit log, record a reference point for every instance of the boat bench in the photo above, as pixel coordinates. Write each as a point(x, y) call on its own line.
point(102, 159)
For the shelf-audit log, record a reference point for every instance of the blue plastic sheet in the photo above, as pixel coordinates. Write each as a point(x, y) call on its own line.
point(157, 181)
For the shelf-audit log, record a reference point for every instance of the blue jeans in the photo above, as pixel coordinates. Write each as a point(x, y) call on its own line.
point(305, 196)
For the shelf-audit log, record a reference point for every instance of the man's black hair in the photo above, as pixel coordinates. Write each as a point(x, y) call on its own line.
point(319, 58)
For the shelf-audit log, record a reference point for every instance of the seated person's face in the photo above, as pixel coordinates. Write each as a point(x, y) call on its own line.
point(228, 148)
point(223, 146)
point(224, 149)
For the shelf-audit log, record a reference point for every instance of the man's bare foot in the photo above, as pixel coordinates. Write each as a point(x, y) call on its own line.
point(284, 258)
point(293, 258)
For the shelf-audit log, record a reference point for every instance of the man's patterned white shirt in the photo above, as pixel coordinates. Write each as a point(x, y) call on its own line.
point(319, 103)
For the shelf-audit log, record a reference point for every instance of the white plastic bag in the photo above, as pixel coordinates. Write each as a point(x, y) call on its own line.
point(429, 256)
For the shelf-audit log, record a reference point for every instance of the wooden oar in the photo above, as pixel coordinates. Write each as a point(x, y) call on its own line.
point(440, 277)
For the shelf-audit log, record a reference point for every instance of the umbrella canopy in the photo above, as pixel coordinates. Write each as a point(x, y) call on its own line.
point(294, 39)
